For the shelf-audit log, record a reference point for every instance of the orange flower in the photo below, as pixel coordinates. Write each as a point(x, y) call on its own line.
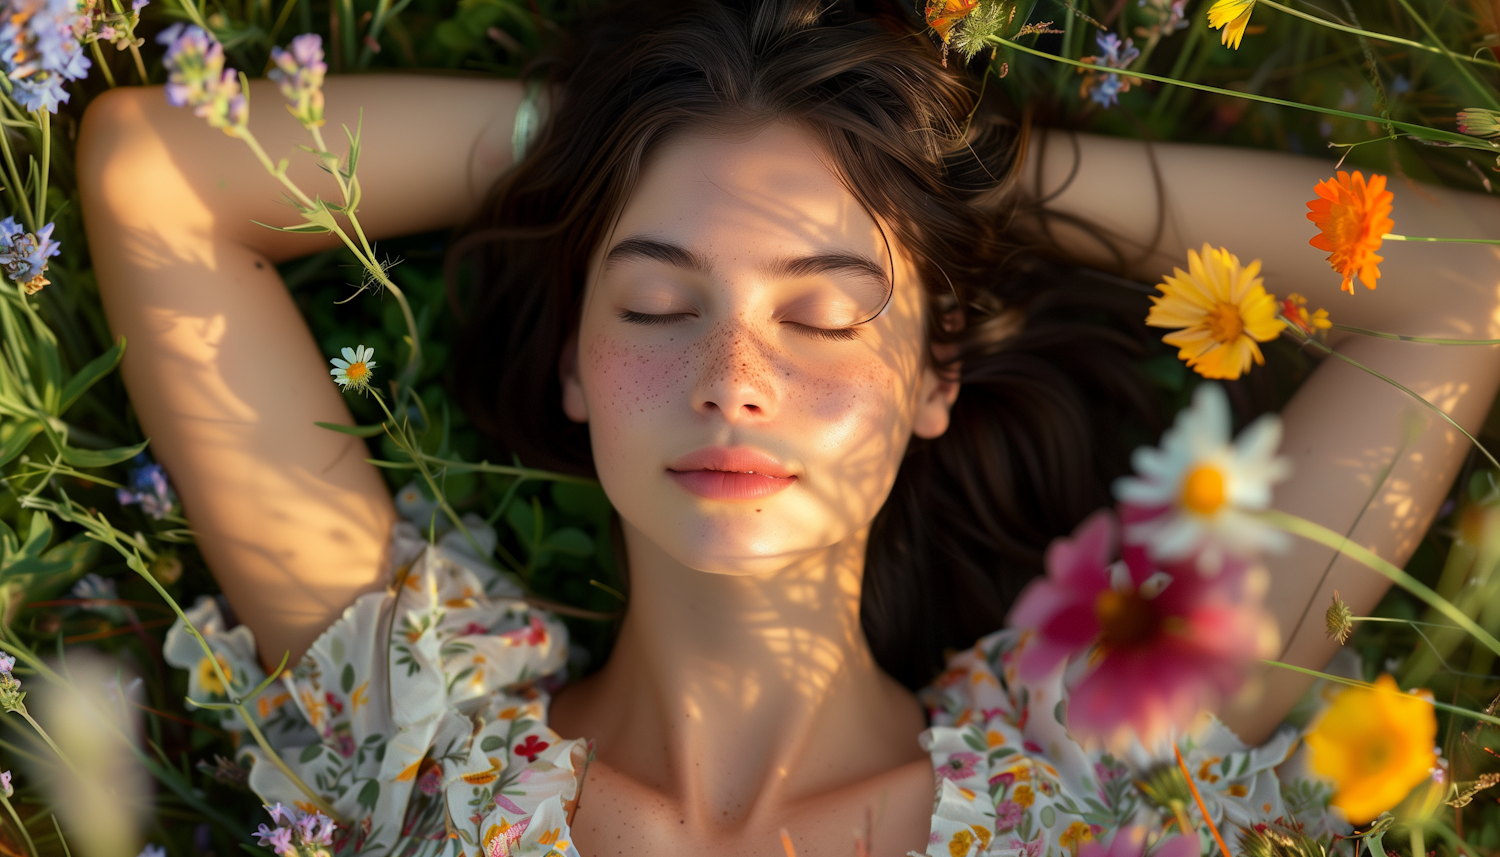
point(1353, 218)
point(1376, 745)
point(1294, 309)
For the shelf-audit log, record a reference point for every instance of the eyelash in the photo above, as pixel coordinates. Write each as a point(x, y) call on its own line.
point(834, 334)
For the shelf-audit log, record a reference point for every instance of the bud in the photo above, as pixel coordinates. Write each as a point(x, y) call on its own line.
point(1340, 619)
point(1479, 122)
point(166, 568)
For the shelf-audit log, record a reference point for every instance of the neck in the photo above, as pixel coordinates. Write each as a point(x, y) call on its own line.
point(735, 694)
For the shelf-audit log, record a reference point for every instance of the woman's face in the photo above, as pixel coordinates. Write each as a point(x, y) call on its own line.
point(748, 400)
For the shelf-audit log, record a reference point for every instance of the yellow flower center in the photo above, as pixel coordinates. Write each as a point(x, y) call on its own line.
point(1203, 490)
point(356, 371)
point(1224, 323)
point(1125, 619)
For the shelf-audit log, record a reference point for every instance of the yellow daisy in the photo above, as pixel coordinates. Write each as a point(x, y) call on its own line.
point(1376, 744)
point(1235, 13)
point(1221, 310)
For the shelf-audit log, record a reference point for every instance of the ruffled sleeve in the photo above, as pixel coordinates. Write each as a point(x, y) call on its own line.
point(419, 717)
point(1011, 781)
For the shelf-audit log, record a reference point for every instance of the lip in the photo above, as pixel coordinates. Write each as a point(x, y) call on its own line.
point(737, 473)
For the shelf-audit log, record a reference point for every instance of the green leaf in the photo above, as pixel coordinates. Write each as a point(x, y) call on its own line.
point(571, 541)
point(101, 457)
point(346, 681)
point(491, 743)
point(370, 793)
point(310, 752)
point(89, 375)
point(18, 440)
point(357, 431)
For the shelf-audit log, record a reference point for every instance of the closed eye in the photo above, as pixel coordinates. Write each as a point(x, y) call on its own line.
point(833, 334)
point(633, 317)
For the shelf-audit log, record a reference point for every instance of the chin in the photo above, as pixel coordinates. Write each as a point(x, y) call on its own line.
point(739, 542)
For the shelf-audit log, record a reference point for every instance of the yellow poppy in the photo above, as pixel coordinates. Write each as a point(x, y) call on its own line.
point(1376, 744)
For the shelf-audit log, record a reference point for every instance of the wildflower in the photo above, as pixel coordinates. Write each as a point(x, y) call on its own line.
point(1479, 122)
point(23, 255)
point(1160, 645)
point(297, 832)
point(12, 698)
point(1131, 842)
point(1294, 310)
point(1104, 87)
point(95, 23)
point(1170, 15)
point(942, 15)
point(299, 73)
point(40, 51)
point(1339, 619)
point(197, 78)
point(1375, 744)
point(1352, 218)
point(1221, 309)
point(5, 784)
point(152, 850)
point(95, 592)
point(1198, 493)
point(1233, 13)
point(355, 370)
point(149, 487)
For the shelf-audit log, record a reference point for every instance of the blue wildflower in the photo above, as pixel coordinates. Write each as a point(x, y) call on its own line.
point(23, 256)
point(1104, 88)
point(40, 52)
point(197, 78)
point(299, 72)
point(149, 487)
point(96, 593)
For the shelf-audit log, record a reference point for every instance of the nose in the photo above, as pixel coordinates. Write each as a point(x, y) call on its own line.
point(737, 374)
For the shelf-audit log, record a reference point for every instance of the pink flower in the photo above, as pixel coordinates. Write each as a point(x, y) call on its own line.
point(1008, 815)
point(1131, 842)
point(960, 766)
point(1162, 643)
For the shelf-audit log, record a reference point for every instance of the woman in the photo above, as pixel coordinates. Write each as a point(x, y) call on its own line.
point(755, 273)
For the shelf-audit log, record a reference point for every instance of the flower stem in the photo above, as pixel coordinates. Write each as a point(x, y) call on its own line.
point(109, 76)
point(1408, 391)
point(44, 122)
point(1401, 337)
point(18, 187)
point(1354, 682)
point(1224, 849)
point(1324, 536)
point(1485, 91)
point(48, 738)
point(1422, 131)
point(1379, 37)
point(1391, 236)
point(25, 834)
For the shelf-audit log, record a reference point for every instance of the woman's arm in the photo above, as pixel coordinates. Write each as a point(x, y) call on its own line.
point(1368, 460)
point(221, 368)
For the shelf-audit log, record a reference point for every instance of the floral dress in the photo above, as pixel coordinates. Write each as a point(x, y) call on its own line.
point(420, 718)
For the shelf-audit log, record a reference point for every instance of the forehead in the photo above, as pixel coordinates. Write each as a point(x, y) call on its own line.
point(772, 192)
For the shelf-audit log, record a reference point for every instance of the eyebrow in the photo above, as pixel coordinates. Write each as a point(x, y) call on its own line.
point(802, 266)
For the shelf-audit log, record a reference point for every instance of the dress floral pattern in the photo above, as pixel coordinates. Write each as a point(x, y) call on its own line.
point(420, 717)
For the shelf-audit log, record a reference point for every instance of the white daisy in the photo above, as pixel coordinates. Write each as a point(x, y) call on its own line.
point(355, 370)
point(1208, 487)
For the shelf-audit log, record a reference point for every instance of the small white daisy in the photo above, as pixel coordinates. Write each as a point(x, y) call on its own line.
point(1208, 487)
point(355, 370)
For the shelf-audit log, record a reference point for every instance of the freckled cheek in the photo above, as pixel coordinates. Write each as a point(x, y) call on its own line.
point(624, 381)
point(852, 403)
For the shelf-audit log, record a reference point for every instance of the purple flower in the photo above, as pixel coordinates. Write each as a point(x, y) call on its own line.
point(138, 5)
point(960, 766)
point(149, 487)
point(5, 785)
point(280, 841)
point(299, 73)
point(23, 256)
point(40, 51)
point(281, 813)
point(7, 663)
point(1104, 88)
point(326, 827)
point(197, 78)
point(1008, 815)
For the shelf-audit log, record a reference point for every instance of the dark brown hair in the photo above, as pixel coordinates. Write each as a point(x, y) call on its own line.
point(1046, 357)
